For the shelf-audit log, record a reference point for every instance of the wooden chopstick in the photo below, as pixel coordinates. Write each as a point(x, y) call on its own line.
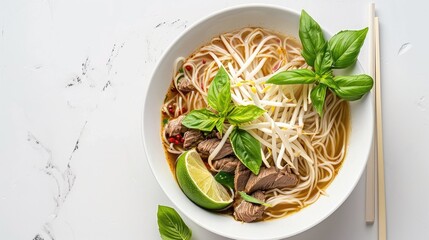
point(380, 160)
point(370, 172)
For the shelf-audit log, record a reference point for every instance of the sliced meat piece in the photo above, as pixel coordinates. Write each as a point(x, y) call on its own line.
point(228, 164)
point(185, 85)
point(249, 212)
point(270, 178)
point(242, 174)
point(285, 178)
point(206, 147)
point(263, 181)
point(174, 126)
point(192, 137)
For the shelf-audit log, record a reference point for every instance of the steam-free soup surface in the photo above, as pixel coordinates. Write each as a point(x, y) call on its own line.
point(296, 142)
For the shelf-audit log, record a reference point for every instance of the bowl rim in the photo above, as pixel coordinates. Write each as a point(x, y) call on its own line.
point(146, 104)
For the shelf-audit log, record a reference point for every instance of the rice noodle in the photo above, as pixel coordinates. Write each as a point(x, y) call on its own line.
point(291, 133)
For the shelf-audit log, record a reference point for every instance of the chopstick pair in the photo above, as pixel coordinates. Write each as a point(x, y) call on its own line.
point(374, 71)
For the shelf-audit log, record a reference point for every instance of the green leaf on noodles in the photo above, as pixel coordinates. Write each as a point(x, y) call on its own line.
point(323, 62)
point(251, 199)
point(329, 81)
point(201, 119)
point(244, 114)
point(298, 76)
point(317, 95)
point(247, 149)
point(219, 93)
point(245, 146)
point(340, 51)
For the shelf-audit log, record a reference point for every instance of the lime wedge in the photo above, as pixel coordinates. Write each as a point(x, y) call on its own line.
point(198, 183)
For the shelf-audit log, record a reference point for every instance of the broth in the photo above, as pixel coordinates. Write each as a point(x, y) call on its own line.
point(328, 136)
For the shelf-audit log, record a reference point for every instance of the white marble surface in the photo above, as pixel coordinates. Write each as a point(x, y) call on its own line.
point(72, 77)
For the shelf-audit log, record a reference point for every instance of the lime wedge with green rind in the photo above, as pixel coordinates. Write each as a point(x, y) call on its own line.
point(199, 184)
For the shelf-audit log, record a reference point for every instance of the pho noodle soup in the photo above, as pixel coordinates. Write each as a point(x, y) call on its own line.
point(301, 151)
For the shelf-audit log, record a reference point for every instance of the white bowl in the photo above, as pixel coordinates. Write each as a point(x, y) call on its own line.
point(285, 21)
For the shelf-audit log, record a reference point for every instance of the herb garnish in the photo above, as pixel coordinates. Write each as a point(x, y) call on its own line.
point(251, 199)
point(171, 226)
point(247, 149)
point(340, 51)
point(221, 109)
point(225, 178)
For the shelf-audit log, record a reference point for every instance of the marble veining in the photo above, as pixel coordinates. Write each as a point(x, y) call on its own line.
point(72, 78)
point(63, 175)
point(63, 178)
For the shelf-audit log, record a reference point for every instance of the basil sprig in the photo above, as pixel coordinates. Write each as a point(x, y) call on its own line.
point(341, 51)
point(219, 99)
point(245, 146)
point(171, 226)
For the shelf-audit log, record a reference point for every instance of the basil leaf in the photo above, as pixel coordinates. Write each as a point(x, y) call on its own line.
point(251, 199)
point(225, 178)
point(353, 87)
point(329, 81)
point(243, 114)
point(297, 76)
point(247, 149)
point(171, 226)
point(219, 93)
point(345, 47)
point(219, 125)
point(311, 36)
point(318, 95)
point(230, 108)
point(201, 119)
point(323, 62)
